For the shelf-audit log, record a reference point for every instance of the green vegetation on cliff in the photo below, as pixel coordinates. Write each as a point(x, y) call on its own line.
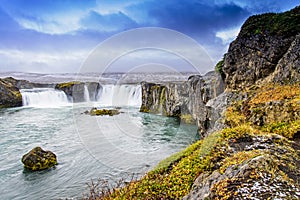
point(282, 24)
point(219, 67)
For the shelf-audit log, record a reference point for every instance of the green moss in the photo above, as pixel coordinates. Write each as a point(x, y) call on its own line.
point(242, 131)
point(233, 117)
point(173, 177)
point(109, 112)
point(166, 163)
point(286, 129)
point(38, 159)
point(219, 67)
point(67, 85)
point(144, 109)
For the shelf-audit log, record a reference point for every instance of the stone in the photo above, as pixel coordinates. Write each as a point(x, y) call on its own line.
point(10, 95)
point(259, 51)
point(24, 84)
point(100, 112)
point(240, 180)
point(185, 100)
point(288, 68)
point(38, 159)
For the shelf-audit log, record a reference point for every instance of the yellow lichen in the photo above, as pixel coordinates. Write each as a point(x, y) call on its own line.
point(68, 84)
point(275, 93)
point(187, 118)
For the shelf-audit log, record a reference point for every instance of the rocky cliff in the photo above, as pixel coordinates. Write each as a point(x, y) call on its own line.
point(267, 45)
point(186, 100)
point(10, 95)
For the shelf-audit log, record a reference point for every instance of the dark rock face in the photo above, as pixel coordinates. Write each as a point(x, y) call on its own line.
point(262, 49)
point(38, 159)
point(152, 95)
point(186, 100)
point(76, 90)
point(288, 67)
point(10, 95)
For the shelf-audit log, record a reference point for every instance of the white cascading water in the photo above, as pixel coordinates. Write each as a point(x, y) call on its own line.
point(86, 94)
point(44, 97)
point(120, 95)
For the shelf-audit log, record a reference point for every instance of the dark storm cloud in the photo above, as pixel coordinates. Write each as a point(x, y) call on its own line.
point(54, 30)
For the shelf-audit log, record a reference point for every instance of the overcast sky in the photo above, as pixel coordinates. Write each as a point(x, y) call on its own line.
point(54, 36)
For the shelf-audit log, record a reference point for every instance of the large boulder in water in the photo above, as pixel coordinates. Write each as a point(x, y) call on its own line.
point(10, 95)
point(97, 112)
point(38, 159)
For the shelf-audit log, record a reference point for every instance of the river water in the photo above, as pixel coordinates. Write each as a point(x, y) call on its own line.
point(87, 147)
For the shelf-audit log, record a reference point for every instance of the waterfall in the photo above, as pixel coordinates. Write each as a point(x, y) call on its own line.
point(120, 95)
point(108, 95)
point(86, 94)
point(44, 97)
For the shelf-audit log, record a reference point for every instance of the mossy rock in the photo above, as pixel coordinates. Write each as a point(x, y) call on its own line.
point(97, 112)
point(67, 85)
point(38, 159)
point(10, 95)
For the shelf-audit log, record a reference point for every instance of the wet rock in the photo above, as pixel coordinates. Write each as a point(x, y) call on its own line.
point(97, 112)
point(38, 159)
point(10, 95)
point(152, 97)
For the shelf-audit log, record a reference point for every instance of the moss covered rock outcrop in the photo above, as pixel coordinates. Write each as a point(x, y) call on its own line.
point(38, 159)
point(10, 95)
point(100, 112)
